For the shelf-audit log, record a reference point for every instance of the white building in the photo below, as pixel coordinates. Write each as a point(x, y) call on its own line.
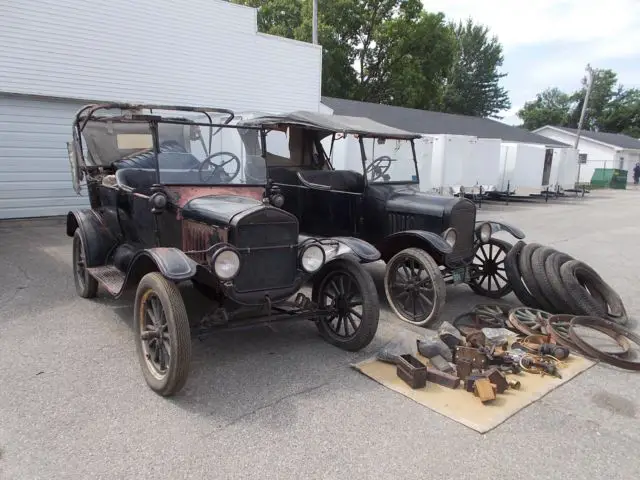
point(598, 149)
point(57, 55)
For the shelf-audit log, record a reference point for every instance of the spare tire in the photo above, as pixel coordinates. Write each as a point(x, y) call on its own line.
point(513, 274)
point(580, 280)
point(529, 276)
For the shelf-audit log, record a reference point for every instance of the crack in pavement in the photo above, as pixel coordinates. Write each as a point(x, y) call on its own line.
point(264, 407)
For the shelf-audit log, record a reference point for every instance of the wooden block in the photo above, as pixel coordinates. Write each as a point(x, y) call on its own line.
point(484, 390)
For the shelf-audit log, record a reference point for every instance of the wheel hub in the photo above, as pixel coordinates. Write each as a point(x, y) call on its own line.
point(490, 267)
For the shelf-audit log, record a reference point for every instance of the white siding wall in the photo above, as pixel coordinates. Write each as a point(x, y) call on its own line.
point(598, 155)
point(197, 52)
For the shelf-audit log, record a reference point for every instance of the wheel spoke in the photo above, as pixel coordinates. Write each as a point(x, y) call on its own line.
point(352, 322)
point(498, 274)
point(484, 254)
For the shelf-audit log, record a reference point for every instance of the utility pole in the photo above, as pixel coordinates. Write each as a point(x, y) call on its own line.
point(583, 112)
point(315, 22)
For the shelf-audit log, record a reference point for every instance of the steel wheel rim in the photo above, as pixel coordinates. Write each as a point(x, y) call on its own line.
point(492, 315)
point(80, 262)
point(340, 294)
point(408, 288)
point(154, 335)
point(530, 320)
point(491, 267)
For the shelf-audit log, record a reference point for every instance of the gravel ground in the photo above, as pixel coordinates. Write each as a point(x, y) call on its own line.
point(281, 403)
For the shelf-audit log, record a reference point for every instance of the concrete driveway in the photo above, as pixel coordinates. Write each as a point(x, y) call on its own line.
point(281, 403)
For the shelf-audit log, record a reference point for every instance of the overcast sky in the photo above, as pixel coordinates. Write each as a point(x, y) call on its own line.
point(549, 42)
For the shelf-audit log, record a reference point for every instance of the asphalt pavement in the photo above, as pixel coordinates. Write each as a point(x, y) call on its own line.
point(279, 402)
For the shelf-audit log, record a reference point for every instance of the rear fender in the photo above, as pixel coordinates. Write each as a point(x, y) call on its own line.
point(98, 239)
point(501, 227)
point(431, 242)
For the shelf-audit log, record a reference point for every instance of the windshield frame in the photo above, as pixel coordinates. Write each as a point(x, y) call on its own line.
point(363, 157)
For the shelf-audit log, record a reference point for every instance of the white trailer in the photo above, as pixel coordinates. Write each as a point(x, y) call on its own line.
point(564, 168)
point(525, 168)
point(451, 155)
point(483, 167)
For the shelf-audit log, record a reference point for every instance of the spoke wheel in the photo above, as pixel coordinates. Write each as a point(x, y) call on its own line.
point(491, 278)
point(415, 287)
point(529, 321)
point(86, 285)
point(162, 334)
point(345, 289)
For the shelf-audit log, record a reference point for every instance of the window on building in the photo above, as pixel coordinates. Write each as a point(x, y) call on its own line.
point(582, 158)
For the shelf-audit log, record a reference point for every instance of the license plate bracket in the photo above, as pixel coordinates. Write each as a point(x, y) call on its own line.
point(459, 275)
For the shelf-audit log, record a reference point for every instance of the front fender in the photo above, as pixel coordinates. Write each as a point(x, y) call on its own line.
point(500, 227)
point(414, 238)
point(98, 239)
point(363, 251)
point(172, 263)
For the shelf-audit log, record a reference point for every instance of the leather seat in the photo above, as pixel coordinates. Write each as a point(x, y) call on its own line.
point(139, 179)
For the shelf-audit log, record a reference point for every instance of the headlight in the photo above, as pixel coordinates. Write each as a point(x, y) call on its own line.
point(226, 264)
point(450, 236)
point(312, 258)
point(485, 232)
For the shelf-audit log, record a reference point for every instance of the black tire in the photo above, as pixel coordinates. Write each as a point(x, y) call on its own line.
point(582, 282)
point(348, 285)
point(156, 293)
point(556, 291)
point(493, 269)
point(515, 278)
point(408, 260)
point(529, 277)
point(538, 259)
point(86, 285)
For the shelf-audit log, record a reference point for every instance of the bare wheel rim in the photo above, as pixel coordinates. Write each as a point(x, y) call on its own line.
point(411, 288)
point(489, 263)
point(341, 295)
point(80, 262)
point(529, 320)
point(154, 335)
point(494, 315)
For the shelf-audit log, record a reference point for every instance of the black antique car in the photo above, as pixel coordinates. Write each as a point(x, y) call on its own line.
point(179, 194)
point(426, 240)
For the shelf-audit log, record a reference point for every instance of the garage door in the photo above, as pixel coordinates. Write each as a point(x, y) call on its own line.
point(35, 179)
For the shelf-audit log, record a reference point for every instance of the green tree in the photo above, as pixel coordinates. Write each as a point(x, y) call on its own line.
point(473, 86)
point(551, 107)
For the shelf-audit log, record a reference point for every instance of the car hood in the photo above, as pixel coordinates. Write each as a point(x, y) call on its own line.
point(412, 201)
point(218, 209)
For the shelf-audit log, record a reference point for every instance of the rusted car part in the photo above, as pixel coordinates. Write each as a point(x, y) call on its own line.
point(532, 343)
point(557, 351)
point(476, 338)
point(493, 315)
point(558, 328)
point(478, 360)
point(442, 378)
point(528, 321)
point(412, 371)
point(439, 363)
point(497, 379)
point(514, 384)
point(484, 389)
point(606, 325)
point(540, 365)
point(464, 368)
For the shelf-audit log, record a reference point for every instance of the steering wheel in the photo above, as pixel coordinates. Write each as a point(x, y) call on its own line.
point(210, 170)
point(376, 169)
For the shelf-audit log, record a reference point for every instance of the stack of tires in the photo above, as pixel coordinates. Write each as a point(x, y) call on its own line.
point(547, 279)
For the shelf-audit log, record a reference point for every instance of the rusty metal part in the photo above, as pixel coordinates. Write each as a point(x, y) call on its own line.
point(605, 325)
point(442, 378)
point(412, 371)
point(532, 343)
point(557, 351)
point(440, 363)
point(536, 364)
point(471, 380)
point(484, 389)
point(498, 379)
point(558, 327)
point(476, 339)
point(478, 359)
point(492, 314)
point(528, 321)
point(464, 368)
point(515, 384)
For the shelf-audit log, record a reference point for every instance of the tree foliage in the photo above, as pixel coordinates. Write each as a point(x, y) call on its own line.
point(611, 108)
point(393, 51)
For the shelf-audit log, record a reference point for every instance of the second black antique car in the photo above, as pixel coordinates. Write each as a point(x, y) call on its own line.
point(426, 240)
point(177, 194)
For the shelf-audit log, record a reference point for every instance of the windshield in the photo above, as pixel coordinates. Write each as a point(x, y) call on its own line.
point(210, 156)
point(386, 160)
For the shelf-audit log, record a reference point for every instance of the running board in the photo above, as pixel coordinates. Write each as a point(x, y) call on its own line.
point(109, 277)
